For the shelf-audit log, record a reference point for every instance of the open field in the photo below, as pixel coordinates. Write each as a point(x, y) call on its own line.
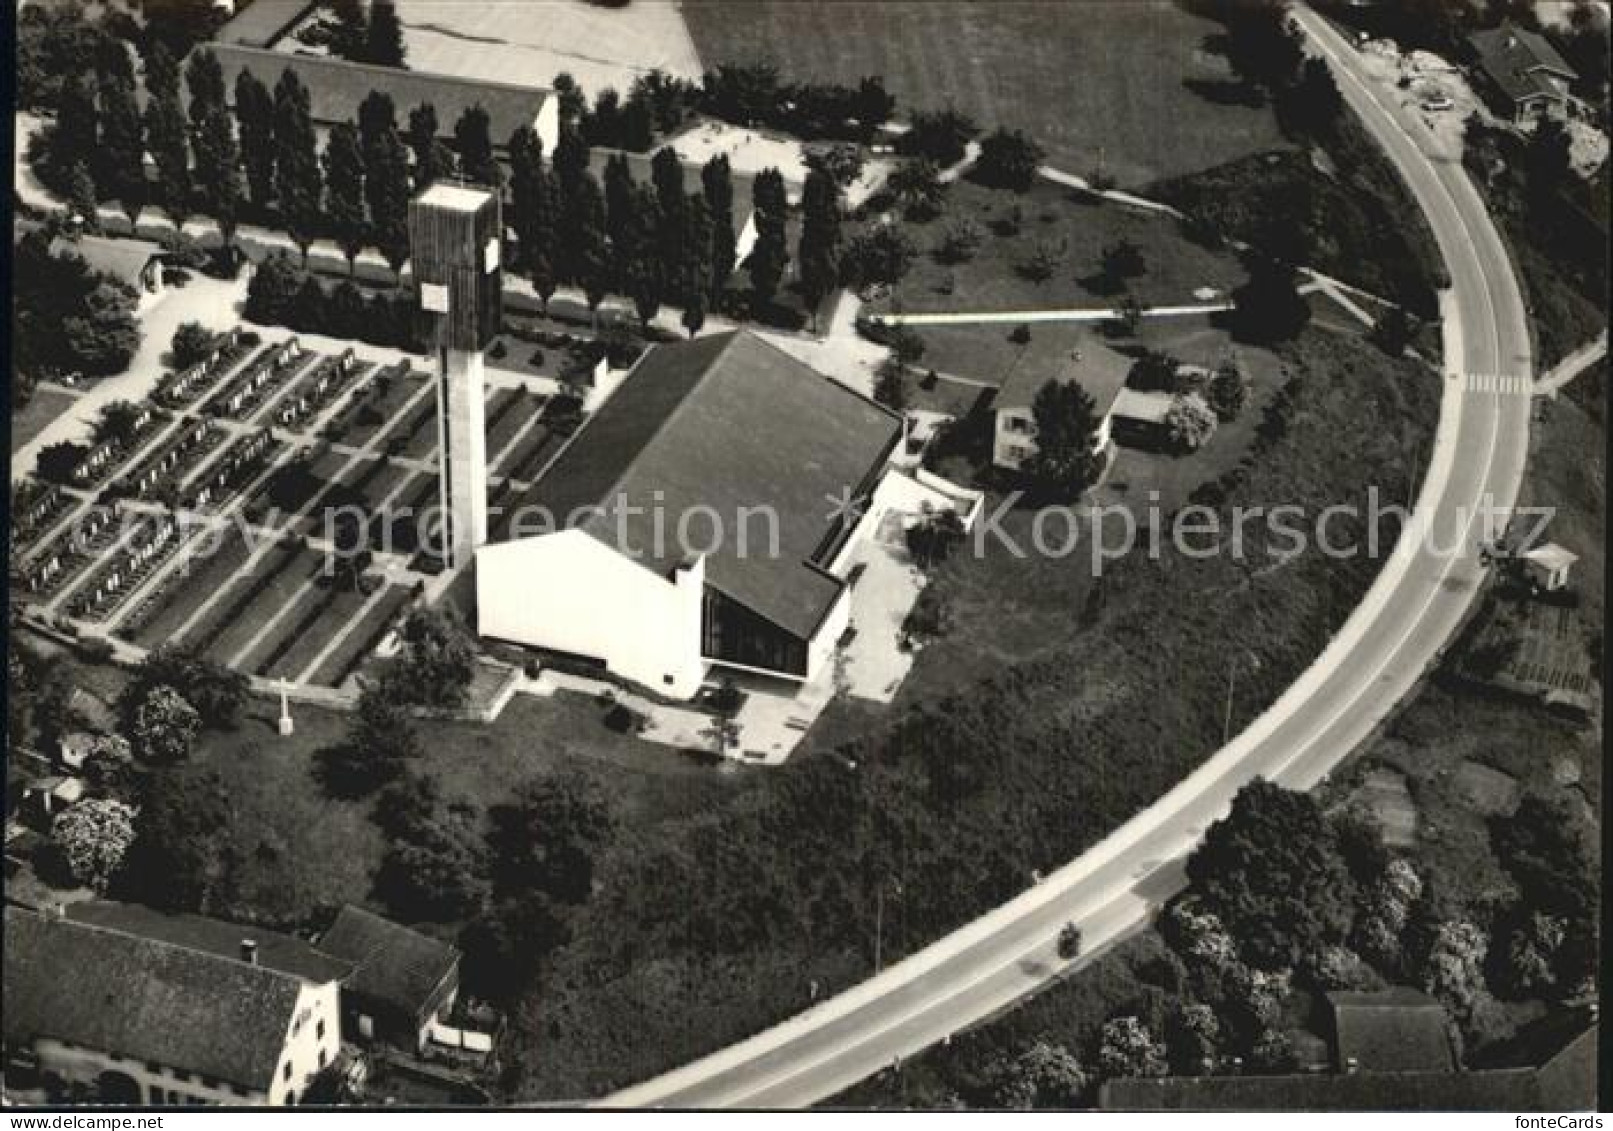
point(1072, 232)
point(530, 42)
point(37, 415)
point(1097, 82)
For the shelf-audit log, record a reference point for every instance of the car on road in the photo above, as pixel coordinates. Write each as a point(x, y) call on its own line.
point(1437, 103)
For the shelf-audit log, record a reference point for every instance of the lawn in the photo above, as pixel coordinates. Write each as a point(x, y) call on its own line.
point(298, 851)
point(1073, 231)
point(39, 413)
point(1131, 87)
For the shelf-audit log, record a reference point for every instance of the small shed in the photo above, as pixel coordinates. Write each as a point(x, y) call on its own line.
point(1393, 1030)
point(1547, 565)
point(402, 984)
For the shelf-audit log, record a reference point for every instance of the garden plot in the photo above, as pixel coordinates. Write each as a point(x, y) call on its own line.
point(208, 565)
point(367, 413)
point(505, 422)
point(304, 635)
point(256, 608)
point(529, 456)
point(362, 638)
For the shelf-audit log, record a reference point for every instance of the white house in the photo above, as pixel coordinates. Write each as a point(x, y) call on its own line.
point(702, 516)
point(1094, 366)
point(95, 1000)
point(1547, 565)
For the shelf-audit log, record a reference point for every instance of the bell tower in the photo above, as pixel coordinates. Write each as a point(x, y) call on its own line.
point(455, 237)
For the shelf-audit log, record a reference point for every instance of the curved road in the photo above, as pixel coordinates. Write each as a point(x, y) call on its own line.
point(1414, 607)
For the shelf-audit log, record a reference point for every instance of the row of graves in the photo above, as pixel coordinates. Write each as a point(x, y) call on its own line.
point(97, 464)
point(164, 470)
point(36, 506)
point(241, 463)
point(68, 555)
point(329, 378)
point(185, 388)
point(152, 541)
point(272, 368)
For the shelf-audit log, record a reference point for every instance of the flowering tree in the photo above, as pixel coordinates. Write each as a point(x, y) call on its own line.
point(165, 726)
point(1130, 1049)
point(93, 836)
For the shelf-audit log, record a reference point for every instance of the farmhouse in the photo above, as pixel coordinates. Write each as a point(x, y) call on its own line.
point(403, 983)
point(706, 514)
point(1525, 76)
point(337, 87)
point(164, 1020)
point(1095, 367)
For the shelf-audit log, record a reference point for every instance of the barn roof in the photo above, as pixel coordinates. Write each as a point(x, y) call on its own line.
point(144, 999)
point(336, 88)
point(392, 963)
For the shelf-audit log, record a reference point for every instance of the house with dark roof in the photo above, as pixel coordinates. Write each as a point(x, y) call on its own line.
point(1393, 1030)
point(705, 515)
point(1391, 1053)
point(401, 983)
point(95, 1001)
point(137, 264)
point(1524, 75)
point(336, 89)
point(1094, 366)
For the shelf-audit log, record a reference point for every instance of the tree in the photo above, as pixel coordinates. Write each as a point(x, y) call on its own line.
point(636, 131)
point(81, 196)
point(475, 147)
point(165, 727)
point(716, 180)
point(344, 190)
point(941, 136)
point(254, 109)
point(1260, 48)
point(1453, 970)
point(386, 184)
point(218, 693)
point(605, 123)
point(916, 184)
point(1228, 390)
point(380, 742)
point(842, 162)
point(1385, 911)
point(298, 184)
point(769, 255)
point(620, 200)
point(103, 337)
point(959, 242)
point(1066, 461)
point(94, 836)
point(890, 385)
point(1128, 1048)
point(883, 254)
point(349, 32)
point(166, 135)
point(1271, 870)
point(695, 282)
point(584, 250)
point(1269, 308)
point(934, 537)
point(1311, 107)
point(571, 159)
point(741, 93)
point(573, 102)
point(550, 836)
point(121, 154)
point(667, 172)
point(384, 45)
point(220, 182)
point(437, 663)
point(820, 240)
point(1122, 260)
point(1547, 164)
point(110, 767)
point(180, 858)
point(192, 342)
point(1192, 1038)
point(271, 295)
point(637, 253)
point(75, 136)
point(377, 116)
point(526, 184)
point(1010, 160)
point(1045, 1075)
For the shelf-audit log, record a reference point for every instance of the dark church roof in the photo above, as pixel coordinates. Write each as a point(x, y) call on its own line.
point(731, 423)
